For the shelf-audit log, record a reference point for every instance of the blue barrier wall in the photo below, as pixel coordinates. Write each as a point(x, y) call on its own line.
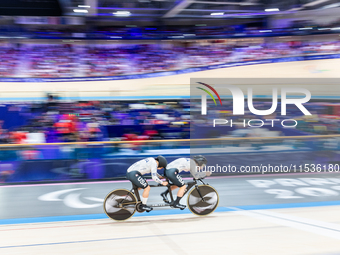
point(100, 167)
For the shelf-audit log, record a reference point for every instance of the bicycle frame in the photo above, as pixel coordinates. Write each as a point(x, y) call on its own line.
point(189, 185)
point(129, 201)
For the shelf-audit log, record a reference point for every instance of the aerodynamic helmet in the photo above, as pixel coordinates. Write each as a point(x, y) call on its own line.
point(200, 160)
point(162, 162)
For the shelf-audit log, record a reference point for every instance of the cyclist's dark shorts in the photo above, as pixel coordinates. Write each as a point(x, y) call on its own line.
point(174, 177)
point(136, 178)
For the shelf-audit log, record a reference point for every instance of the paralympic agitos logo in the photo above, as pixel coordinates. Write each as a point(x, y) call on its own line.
point(239, 103)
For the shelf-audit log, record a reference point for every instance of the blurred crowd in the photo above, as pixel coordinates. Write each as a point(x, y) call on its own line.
point(324, 120)
point(9, 61)
point(56, 121)
point(60, 121)
point(84, 60)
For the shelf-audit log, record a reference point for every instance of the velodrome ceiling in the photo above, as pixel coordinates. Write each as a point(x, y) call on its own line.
point(199, 9)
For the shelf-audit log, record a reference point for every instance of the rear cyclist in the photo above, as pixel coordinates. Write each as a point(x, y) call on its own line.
point(172, 173)
point(145, 166)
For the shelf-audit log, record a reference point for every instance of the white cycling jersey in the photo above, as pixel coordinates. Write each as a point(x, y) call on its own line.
point(186, 165)
point(146, 166)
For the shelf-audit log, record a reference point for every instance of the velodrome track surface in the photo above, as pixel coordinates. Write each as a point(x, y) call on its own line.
point(264, 214)
point(73, 201)
point(272, 214)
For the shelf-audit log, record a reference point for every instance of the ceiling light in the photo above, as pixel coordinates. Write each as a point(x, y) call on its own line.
point(217, 13)
point(272, 10)
point(84, 6)
point(79, 10)
point(122, 13)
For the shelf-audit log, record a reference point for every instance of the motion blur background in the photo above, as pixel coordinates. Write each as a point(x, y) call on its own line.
point(88, 87)
point(94, 71)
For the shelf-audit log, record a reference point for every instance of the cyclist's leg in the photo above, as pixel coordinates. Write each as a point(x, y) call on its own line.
point(181, 191)
point(137, 179)
point(176, 179)
point(145, 194)
point(164, 194)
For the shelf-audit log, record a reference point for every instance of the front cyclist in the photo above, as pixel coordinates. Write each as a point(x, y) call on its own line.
point(172, 173)
point(145, 166)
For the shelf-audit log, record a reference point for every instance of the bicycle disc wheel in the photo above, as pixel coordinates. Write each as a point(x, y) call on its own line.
point(120, 204)
point(197, 205)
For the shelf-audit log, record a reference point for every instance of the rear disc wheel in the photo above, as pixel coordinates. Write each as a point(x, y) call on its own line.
point(120, 204)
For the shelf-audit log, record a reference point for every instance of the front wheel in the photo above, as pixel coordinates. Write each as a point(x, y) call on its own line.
point(203, 200)
point(120, 204)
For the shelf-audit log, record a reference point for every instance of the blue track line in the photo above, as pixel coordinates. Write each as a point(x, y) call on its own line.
point(164, 212)
point(96, 216)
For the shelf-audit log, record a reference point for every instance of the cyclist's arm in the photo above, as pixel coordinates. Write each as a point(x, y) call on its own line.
point(160, 176)
point(195, 173)
point(154, 174)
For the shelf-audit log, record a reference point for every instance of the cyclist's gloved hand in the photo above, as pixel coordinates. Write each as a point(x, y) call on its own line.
point(164, 183)
point(208, 173)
